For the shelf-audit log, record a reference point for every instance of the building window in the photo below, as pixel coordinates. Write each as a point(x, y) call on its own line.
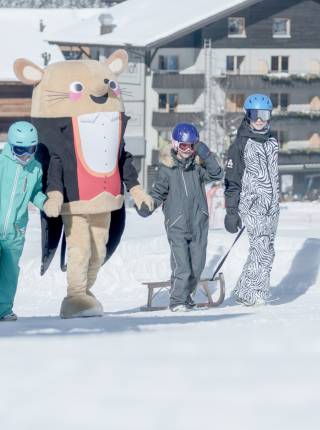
point(72, 54)
point(279, 64)
point(282, 137)
point(233, 63)
point(235, 102)
point(281, 27)
point(168, 102)
point(236, 27)
point(280, 101)
point(169, 62)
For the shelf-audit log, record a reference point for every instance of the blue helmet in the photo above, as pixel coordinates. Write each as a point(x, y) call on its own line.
point(22, 134)
point(258, 102)
point(184, 133)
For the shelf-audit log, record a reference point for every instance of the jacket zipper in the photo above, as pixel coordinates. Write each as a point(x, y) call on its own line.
point(185, 186)
point(175, 221)
point(269, 176)
point(13, 193)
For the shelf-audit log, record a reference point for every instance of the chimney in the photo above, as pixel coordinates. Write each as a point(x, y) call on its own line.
point(106, 23)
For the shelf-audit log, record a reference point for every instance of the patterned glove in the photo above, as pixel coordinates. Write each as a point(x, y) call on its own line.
point(202, 150)
point(53, 205)
point(140, 196)
point(232, 221)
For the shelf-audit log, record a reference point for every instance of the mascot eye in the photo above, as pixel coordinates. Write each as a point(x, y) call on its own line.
point(76, 87)
point(114, 87)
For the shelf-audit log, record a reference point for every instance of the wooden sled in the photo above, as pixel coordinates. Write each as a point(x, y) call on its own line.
point(203, 283)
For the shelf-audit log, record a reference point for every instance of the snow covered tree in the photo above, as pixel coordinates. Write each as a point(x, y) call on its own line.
point(46, 4)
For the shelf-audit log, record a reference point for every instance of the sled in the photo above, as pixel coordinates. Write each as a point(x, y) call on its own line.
point(203, 284)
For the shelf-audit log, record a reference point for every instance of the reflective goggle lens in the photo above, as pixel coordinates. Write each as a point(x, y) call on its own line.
point(186, 147)
point(24, 150)
point(262, 114)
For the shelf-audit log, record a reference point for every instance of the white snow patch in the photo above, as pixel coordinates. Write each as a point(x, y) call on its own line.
point(236, 367)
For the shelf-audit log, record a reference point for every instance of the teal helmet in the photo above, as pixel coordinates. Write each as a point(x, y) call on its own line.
point(22, 134)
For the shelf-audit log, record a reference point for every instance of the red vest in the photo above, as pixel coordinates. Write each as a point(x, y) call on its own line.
point(97, 139)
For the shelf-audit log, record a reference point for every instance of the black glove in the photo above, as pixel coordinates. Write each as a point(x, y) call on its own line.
point(144, 211)
point(232, 221)
point(202, 150)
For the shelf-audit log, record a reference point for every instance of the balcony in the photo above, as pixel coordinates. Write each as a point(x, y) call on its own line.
point(285, 116)
point(267, 81)
point(294, 114)
point(175, 80)
point(169, 119)
point(302, 161)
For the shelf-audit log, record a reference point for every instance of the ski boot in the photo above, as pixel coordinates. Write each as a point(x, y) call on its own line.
point(190, 303)
point(9, 317)
point(244, 297)
point(180, 308)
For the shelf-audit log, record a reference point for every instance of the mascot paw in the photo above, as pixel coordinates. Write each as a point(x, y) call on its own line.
point(140, 196)
point(81, 306)
point(53, 205)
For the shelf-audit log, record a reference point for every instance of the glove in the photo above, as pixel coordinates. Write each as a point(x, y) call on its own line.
point(202, 150)
point(144, 211)
point(140, 196)
point(232, 221)
point(53, 205)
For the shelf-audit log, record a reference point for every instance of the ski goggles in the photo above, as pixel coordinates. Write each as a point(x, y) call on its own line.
point(186, 147)
point(23, 150)
point(262, 114)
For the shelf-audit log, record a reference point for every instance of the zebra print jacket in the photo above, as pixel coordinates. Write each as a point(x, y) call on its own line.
point(252, 179)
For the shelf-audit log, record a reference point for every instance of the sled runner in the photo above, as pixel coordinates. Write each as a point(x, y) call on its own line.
point(203, 284)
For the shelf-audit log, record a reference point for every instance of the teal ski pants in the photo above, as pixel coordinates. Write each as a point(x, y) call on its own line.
point(10, 253)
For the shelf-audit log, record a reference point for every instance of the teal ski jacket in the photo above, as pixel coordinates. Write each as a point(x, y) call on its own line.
point(19, 185)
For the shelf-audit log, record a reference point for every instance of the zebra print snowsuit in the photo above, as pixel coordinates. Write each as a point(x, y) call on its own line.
point(252, 188)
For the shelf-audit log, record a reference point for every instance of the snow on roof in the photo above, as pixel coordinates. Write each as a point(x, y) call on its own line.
point(145, 22)
point(21, 37)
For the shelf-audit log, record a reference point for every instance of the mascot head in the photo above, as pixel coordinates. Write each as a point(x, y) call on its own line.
point(73, 88)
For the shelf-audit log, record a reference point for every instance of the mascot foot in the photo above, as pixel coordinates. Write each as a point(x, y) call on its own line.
point(81, 306)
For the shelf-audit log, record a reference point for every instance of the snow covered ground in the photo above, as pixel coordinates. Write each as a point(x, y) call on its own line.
point(226, 368)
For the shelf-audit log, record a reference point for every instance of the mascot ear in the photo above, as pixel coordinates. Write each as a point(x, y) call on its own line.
point(118, 61)
point(27, 72)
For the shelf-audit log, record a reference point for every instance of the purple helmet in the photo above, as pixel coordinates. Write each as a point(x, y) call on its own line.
point(184, 133)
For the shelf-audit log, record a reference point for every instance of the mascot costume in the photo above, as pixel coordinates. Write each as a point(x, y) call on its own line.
point(79, 113)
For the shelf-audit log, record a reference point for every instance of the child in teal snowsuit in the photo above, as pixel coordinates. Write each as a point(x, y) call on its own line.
point(20, 183)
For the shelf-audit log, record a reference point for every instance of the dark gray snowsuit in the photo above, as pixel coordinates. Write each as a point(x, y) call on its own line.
point(180, 187)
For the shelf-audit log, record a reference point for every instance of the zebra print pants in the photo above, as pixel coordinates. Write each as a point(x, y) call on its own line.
point(254, 281)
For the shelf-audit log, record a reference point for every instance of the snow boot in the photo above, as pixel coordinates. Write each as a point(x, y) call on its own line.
point(9, 317)
point(180, 308)
point(244, 297)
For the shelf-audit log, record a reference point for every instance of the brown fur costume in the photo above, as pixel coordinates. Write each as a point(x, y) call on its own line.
point(79, 113)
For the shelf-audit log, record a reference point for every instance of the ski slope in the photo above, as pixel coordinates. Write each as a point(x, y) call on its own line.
point(226, 368)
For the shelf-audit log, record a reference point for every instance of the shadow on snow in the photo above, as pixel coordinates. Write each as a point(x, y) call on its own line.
point(302, 274)
point(111, 323)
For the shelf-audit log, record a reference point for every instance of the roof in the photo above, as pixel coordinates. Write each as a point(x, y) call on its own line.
point(20, 28)
point(147, 23)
